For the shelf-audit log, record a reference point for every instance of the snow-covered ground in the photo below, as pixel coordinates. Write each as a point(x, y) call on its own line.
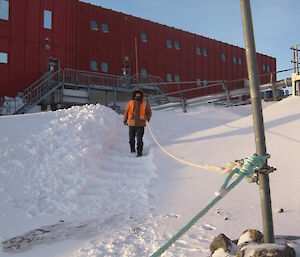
point(72, 170)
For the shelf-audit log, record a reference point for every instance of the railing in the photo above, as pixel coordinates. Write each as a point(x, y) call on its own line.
point(79, 77)
point(222, 95)
point(149, 80)
point(39, 88)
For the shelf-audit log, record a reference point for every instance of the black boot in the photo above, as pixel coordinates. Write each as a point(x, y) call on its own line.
point(132, 148)
point(139, 152)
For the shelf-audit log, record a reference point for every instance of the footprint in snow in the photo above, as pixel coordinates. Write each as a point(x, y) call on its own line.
point(207, 227)
point(172, 215)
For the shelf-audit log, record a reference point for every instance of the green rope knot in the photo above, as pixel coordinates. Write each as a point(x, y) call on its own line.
point(250, 165)
point(253, 164)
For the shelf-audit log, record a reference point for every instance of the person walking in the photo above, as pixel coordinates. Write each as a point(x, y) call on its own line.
point(137, 112)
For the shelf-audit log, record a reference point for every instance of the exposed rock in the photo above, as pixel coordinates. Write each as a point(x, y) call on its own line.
point(250, 236)
point(221, 241)
point(280, 210)
point(266, 250)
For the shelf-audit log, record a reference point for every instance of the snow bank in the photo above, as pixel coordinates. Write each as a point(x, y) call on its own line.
point(77, 166)
point(74, 165)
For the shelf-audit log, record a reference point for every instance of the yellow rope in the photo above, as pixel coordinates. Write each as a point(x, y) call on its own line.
point(223, 170)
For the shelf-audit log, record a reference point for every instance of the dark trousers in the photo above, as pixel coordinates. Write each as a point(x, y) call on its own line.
point(137, 132)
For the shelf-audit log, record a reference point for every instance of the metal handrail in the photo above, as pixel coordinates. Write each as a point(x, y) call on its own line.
point(92, 73)
point(37, 90)
point(91, 78)
point(2, 100)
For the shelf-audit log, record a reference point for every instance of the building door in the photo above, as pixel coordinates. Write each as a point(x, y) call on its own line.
point(54, 66)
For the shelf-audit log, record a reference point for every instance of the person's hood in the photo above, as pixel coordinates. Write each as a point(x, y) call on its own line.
point(138, 90)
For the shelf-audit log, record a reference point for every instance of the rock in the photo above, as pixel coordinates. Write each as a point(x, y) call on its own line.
point(249, 236)
point(280, 210)
point(221, 241)
point(266, 250)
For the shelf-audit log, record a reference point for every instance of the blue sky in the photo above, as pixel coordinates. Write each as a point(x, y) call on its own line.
point(276, 22)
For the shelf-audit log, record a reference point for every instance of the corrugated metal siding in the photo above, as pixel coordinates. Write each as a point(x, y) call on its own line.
point(74, 42)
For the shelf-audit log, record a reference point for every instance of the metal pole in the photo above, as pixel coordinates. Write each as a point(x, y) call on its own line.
point(258, 123)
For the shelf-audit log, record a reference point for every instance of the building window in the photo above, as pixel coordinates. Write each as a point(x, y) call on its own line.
point(268, 68)
point(177, 78)
point(94, 25)
point(199, 82)
point(205, 83)
point(234, 59)
point(3, 58)
point(47, 19)
point(104, 67)
point(4, 9)
point(240, 61)
point(105, 27)
point(144, 73)
point(169, 43)
point(144, 37)
point(169, 77)
point(205, 52)
point(223, 57)
point(198, 50)
point(94, 65)
point(176, 45)
point(264, 67)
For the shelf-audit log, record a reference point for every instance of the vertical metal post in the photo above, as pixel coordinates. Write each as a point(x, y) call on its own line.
point(297, 59)
point(258, 123)
point(273, 88)
point(225, 88)
point(115, 97)
point(105, 98)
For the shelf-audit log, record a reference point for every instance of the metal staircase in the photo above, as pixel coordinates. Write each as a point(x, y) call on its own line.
point(32, 95)
point(75, 87)
point(39, 90)
point(153, 86)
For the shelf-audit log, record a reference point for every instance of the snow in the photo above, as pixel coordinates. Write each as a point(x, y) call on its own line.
point(245, 237)
point(221, 253)
point(250, 249)
point(74, 166)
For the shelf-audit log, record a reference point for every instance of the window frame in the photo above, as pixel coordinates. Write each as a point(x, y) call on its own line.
point(234, 60)
point(198, 52)
point(223, 56)
point(169, 45)
point(91, 66)
point(144, 37)
point(176, 45)
point(264, 67)
point(107, 67)
point(169, 77)
point(198, 82)
point(94, 22)
point(268, 68)
point(240, 61)
point(175, 78)
point(3, 55)
point(46, 17)
point(5, 17)
point(205, 83)
point(104, 26)
point(144, 73)
point(205, 52)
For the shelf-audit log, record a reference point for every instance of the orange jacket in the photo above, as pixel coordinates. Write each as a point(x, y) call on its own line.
point(137, 113)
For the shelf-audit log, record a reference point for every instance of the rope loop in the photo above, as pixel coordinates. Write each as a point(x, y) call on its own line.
point(254, 163)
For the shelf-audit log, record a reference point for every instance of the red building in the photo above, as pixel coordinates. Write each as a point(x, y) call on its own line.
point(86, 37)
